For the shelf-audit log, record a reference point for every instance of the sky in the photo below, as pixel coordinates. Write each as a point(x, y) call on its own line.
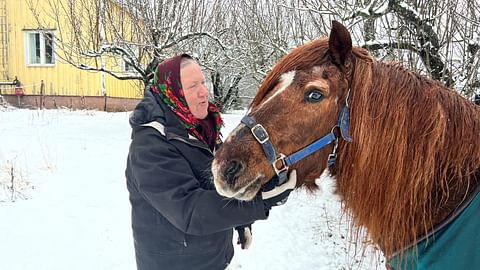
point(69, 208)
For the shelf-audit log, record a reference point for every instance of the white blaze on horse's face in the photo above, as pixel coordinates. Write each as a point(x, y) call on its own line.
point(285, 81)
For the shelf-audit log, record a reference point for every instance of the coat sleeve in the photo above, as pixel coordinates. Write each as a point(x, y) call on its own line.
point(164, 178)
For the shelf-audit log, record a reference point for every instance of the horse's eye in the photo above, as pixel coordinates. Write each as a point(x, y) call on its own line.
point(313, 96)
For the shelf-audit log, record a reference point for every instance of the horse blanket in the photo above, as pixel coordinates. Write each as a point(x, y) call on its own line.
point(456, 245)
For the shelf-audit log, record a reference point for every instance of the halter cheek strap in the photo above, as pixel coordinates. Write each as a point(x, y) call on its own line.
point(261, 135)
point(280, 162)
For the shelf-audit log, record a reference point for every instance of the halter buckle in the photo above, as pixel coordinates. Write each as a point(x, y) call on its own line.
point(260, 133)
point(283, 164)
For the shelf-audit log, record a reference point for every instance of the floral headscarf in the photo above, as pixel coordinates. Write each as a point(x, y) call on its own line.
point(167, 85)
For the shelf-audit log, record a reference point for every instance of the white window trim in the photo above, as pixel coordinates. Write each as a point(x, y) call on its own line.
point(130, 47)
point(124, 68)
point(42, 48)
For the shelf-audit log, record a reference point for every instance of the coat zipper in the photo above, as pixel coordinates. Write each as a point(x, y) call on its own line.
point(181, 139)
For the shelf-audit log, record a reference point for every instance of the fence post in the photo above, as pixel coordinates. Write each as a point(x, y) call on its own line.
point(105, 102)
point(42, 93)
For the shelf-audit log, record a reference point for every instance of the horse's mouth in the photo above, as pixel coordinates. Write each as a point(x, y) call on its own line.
point(245, 193)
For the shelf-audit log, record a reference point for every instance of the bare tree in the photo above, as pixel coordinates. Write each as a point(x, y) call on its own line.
point(438, 38)
point(237, 42)
point(435, 37)
point(137, 33)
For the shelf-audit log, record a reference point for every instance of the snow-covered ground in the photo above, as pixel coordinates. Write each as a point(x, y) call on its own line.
point(69, 209)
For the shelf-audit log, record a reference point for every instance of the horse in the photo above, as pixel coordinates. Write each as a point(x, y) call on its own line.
point(403, 149)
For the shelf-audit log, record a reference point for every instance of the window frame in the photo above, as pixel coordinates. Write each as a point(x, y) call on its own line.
point(129, 47)
point(43, 48)
point(128, 68)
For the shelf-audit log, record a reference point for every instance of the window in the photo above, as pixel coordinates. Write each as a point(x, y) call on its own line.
point(39, 48)
point(127, 67)
point(132, 50)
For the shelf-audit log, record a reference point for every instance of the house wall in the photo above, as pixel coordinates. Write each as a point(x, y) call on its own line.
point(60, 79)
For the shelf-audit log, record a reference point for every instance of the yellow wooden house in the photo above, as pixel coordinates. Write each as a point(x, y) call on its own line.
point(31, 58)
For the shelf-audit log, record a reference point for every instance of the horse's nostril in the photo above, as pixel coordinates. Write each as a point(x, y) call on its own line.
point(232, 171)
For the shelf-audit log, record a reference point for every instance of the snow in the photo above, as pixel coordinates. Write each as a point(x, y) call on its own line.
point(383, 8)
point(376, 42)
point(70, 207)
point(410, 8)
point(366, 10)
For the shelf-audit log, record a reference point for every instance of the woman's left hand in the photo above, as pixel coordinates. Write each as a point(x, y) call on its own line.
point(244, 235)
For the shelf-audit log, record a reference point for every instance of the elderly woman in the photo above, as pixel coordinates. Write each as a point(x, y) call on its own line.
point(178, 219)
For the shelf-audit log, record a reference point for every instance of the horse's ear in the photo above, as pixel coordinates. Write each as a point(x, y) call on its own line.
point(340, 43)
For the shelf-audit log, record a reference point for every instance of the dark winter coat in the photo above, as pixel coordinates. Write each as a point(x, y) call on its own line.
point(178, 219)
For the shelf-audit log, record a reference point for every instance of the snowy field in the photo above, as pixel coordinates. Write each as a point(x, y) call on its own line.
point(64, 202)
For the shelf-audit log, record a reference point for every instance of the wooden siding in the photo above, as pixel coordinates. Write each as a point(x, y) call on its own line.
point(60, 78)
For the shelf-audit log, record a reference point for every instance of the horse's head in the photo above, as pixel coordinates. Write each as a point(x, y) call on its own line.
point(299, 102)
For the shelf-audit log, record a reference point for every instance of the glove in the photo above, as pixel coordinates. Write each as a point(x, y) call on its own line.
point(244, 236)
point(273, 194)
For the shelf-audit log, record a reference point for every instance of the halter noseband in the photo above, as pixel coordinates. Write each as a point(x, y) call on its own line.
point(281, 162)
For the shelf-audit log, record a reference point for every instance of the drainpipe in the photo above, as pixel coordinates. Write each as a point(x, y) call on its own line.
point(101, 34)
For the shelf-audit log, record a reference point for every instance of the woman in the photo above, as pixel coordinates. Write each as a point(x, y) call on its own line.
point(178, 219)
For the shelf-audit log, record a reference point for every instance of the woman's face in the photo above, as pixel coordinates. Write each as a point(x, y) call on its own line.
point(195, 89)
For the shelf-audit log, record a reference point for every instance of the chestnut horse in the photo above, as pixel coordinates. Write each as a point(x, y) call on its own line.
point(403, 149)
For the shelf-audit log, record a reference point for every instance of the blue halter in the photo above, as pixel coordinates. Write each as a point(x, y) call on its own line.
point(280, 162)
